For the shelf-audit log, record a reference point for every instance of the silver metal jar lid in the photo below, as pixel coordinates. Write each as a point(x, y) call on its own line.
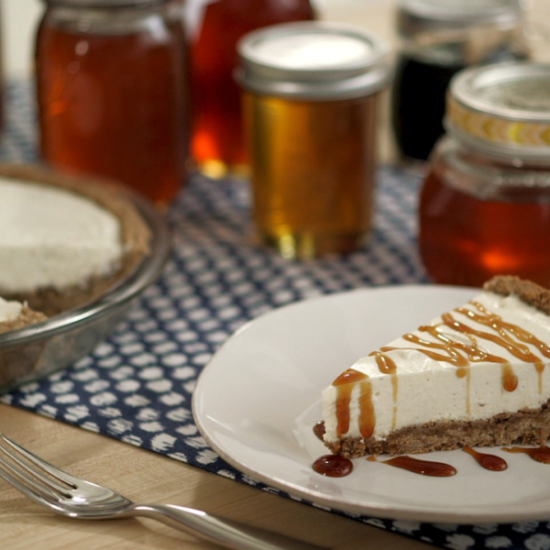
point(312, 60)
point(420, 16)
point(503, 109)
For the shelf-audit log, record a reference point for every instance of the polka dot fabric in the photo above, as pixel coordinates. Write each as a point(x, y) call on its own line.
point(137, 385)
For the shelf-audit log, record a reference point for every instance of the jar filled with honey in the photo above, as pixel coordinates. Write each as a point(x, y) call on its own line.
point(310, 98)
point(485, 204)
point(113, 92)
point(216, 26)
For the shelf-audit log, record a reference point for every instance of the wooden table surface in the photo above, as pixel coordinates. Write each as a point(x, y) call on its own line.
point(144, 477)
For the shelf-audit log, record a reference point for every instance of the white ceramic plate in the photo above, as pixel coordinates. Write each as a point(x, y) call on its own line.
point(258, 399)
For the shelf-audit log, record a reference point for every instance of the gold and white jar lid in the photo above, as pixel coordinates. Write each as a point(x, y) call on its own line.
point(502, 109)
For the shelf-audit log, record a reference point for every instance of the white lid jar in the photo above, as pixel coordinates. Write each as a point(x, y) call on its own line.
point(310, 94)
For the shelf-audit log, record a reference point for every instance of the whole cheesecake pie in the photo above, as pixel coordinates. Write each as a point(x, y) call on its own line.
point(478, 375)
point(64, 240)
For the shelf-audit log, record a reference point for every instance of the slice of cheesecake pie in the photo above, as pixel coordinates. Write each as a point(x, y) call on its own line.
point(478, 375)
point(64, 240)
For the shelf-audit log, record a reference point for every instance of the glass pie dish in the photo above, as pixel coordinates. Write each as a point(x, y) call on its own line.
point(37, 350)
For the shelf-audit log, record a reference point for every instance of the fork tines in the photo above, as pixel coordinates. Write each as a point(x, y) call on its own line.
point(30, 474)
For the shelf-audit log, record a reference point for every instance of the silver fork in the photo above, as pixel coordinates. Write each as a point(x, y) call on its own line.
point(76, 498)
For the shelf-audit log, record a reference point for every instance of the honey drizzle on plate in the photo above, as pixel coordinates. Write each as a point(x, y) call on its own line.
point(510, 337)
point(539, 454)
point(418, 466)
point(489, 462)
point(339, 466)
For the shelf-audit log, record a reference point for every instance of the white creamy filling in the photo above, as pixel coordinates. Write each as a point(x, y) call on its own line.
point(430, 390)
point(9, 310)
point(50, 237)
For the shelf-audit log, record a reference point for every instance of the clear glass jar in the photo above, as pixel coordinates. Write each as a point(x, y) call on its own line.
point(112, 90)
point(217, 142)
point(439, 38)
point(310, 92)
point(485, 203)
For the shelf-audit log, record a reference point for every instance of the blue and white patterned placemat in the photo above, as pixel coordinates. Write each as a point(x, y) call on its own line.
point(137, 385)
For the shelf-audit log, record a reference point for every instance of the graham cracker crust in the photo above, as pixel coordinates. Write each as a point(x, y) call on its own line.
point(525, 427)
point(531, 293)
point(109, 195)
point(27, 317)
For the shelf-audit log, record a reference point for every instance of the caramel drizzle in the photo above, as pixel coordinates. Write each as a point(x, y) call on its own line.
point(386, 365)
point(506, 330)
point(446, 349)
point(345, 383)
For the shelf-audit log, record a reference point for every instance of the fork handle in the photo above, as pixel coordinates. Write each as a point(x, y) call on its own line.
point(225, 532)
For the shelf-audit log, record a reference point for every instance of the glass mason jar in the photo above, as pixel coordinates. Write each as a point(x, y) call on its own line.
point(485, 203)
point(438, 38)
point(112, 91)
point(217, 142)
point(310, 92)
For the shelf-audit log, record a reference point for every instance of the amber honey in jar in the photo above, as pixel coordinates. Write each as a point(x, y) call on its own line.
point(112, 91)
point(485, 204)
point(217, 142)
point(310, 97)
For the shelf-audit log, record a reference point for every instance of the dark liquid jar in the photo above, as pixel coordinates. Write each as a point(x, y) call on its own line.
point(112, 91)
point(485, 203)
point(217, 142)
point(438, 39)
